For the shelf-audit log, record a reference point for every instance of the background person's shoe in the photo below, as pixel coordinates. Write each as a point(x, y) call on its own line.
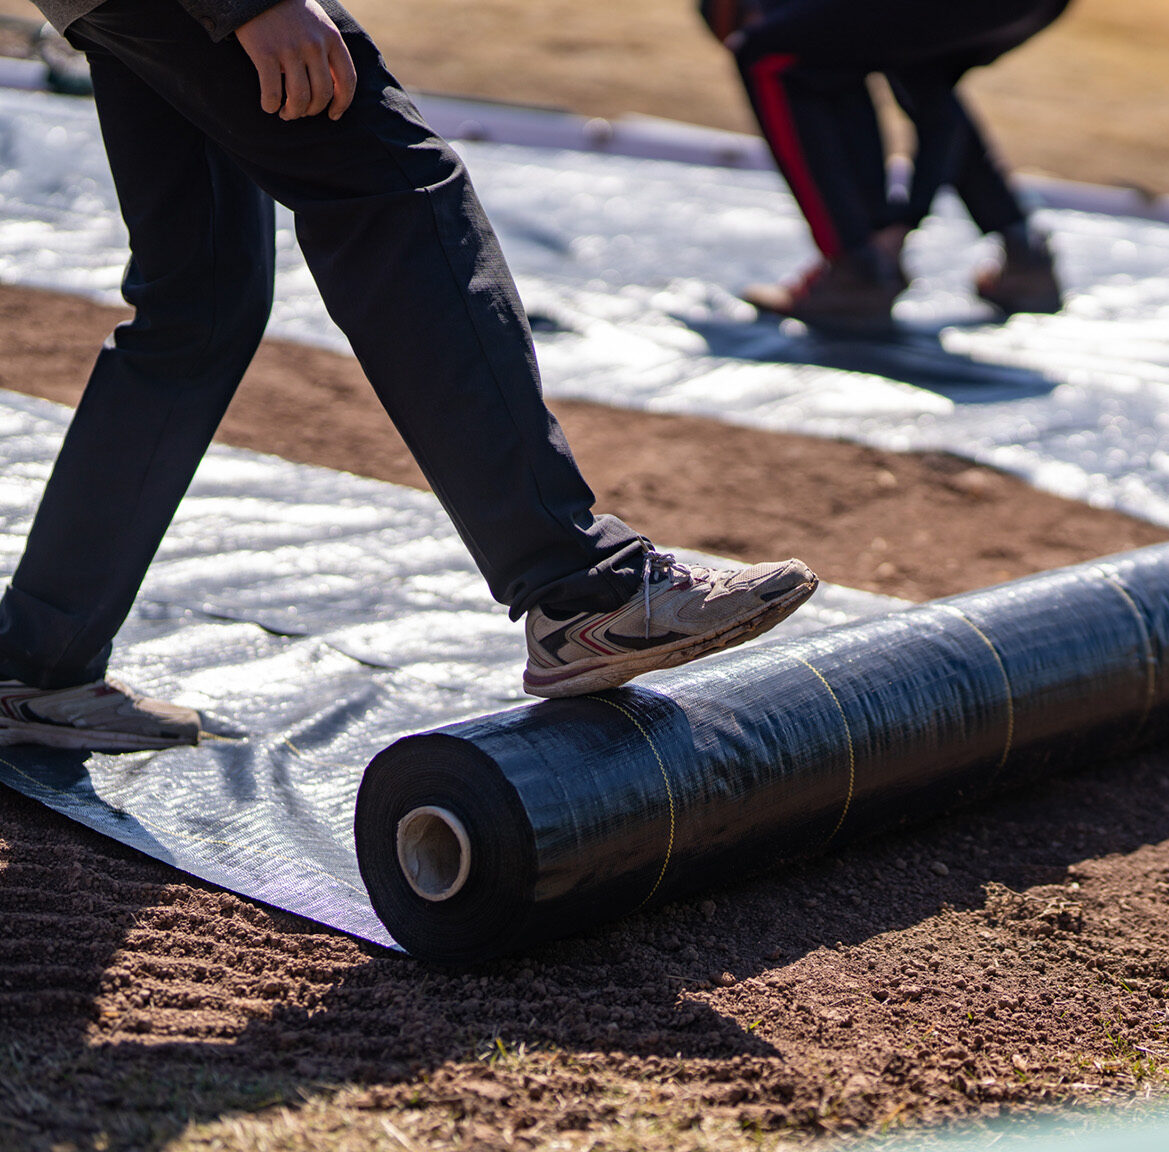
point(104, 716)
point(681, 612)
point(1025, 280)
point(854, 292)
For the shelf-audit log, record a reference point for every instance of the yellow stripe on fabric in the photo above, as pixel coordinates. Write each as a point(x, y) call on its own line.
point(665, 780)
point(190, 837)
point(1146, 639)
point(1010, 741)
point(851, 750)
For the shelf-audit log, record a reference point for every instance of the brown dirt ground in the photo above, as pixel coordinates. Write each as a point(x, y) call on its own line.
point(1008, 959)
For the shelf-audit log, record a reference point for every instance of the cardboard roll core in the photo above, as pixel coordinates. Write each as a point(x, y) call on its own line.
point(434, 852)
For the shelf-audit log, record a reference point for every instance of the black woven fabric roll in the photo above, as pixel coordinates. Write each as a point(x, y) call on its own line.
point(491, 834)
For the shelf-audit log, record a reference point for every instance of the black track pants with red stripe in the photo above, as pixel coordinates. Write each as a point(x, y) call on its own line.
point(822, 129)
point(804, 65)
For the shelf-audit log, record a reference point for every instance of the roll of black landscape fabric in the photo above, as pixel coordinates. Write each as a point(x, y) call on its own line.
point(489, 835)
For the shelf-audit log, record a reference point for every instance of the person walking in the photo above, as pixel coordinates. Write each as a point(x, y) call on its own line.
point(211, 110)
point(804, 65)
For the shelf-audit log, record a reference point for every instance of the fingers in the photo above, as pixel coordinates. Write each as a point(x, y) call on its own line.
point(271, 83)
point(308, 85)
point(344, 79)
point(297, 91)
point(301, 60)
point(313, 79)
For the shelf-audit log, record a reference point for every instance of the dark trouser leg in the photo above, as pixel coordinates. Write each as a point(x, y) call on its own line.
point(407, 265)
point(200, 280)
point(821, 128)
point(412, 272)
point(952, 151)
point(897, 32)
point(982, 184)
point(866, 147)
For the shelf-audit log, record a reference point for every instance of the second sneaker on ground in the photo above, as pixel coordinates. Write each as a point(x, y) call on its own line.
point(1025, 279)
point(682, 612)
point(104, 716)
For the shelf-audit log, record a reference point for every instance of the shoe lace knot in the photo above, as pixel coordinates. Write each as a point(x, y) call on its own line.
point(659, 566)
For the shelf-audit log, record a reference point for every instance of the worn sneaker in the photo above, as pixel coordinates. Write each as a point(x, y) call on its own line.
point(1025, 280)
point(102, 717)
point(680, 613)
point(1014, 287)
point(853, 293)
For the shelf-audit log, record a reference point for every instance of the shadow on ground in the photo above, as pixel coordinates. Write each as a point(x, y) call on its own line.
point(137, 1002)
point(912, 354)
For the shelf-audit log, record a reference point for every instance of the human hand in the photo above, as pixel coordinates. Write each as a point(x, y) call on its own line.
point(301, 60)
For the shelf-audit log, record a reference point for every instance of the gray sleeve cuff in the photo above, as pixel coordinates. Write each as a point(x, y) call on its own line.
point(222, 17)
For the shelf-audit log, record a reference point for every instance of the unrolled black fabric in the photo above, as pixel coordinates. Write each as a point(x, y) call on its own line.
point(580, 811)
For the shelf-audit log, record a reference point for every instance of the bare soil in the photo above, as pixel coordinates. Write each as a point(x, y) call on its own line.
point(1007, 960)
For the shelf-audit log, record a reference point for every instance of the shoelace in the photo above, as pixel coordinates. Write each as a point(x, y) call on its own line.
point(656, 566)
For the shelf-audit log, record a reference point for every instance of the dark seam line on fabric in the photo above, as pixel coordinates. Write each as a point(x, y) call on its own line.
point(1008, 745)
point(1150, 661)
point(851, 752)
point(669, 793)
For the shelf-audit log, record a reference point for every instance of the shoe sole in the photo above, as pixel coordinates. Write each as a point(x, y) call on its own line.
point(875, 319)
point(85, 740)
point(1040, 304)
point(585, 676)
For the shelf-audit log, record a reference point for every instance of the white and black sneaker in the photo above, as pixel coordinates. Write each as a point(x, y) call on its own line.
point(681, 612)
point(104, 716)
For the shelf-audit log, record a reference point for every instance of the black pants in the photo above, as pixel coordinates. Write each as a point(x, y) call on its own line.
point(804, 64)
point(407, 266)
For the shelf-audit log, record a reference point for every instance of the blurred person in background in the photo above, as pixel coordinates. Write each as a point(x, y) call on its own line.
point(805, 64)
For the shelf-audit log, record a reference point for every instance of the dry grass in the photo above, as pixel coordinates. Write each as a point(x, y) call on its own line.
point(1086, 100)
